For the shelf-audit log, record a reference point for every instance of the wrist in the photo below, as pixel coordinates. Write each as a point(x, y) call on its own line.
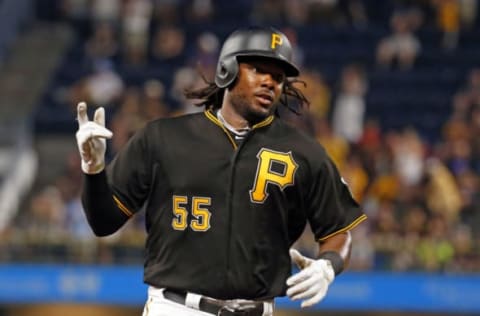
point(92, 168)
point(336, 261)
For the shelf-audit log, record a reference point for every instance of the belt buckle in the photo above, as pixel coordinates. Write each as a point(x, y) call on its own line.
point(227, 311)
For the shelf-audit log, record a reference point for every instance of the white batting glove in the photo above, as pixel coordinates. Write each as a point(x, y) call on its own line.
point(91, 139)
point(311, 283)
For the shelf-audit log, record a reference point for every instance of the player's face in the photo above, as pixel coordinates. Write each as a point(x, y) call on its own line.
point(257, 89)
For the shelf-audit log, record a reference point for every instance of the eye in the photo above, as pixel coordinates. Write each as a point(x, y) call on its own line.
point(252, 68)
point(279, 78)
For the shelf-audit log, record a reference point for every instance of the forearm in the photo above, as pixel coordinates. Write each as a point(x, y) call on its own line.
point(337, 249)
point(103, 215)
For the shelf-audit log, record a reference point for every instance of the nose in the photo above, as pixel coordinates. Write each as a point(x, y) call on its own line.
point(267, 81)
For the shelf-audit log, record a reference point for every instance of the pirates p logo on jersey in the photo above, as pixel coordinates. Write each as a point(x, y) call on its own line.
point(267, 175)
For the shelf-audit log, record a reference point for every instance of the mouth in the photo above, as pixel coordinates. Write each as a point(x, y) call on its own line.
point(264, 98)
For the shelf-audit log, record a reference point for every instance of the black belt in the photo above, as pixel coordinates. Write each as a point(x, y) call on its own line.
point(212, 306)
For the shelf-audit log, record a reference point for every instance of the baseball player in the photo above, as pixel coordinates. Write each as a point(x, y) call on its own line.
point(226, 191)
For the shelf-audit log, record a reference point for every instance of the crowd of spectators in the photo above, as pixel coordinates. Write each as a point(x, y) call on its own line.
point(422, 198)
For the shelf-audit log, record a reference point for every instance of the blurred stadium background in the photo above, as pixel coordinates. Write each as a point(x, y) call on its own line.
point(395, 92)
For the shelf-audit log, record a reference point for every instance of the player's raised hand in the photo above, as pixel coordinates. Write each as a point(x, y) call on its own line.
point(91, 139)
point(311, 283)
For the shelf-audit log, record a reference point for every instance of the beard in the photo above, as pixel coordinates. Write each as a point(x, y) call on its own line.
point(249, 109)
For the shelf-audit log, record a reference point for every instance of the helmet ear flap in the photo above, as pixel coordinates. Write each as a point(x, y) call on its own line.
point(227, 70)
point(222, 71)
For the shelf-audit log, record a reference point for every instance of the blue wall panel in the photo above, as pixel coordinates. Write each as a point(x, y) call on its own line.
point(350, 291)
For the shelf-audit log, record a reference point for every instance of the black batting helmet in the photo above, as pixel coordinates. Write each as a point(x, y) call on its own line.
point(253, 41)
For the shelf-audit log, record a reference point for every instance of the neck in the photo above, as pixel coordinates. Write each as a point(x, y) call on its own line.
point(234, 119)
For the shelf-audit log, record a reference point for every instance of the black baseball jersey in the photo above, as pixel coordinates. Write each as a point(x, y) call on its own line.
point(221, 217)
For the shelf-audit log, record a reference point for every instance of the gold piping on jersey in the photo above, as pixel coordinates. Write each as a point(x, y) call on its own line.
point(214, 119)
point(352, 225)
point(265, 122)
point(122, 207)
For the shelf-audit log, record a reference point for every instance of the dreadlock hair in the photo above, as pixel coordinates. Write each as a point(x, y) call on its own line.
point(211, 96)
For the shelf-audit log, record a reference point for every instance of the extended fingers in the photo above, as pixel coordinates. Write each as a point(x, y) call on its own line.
point(301, 281)
point(99, 116)
point(82, 116)
point(299, 260)
point(299, 277)
point(315, 299)
point(311, 290)
point(306, 288)
point(92, 129)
